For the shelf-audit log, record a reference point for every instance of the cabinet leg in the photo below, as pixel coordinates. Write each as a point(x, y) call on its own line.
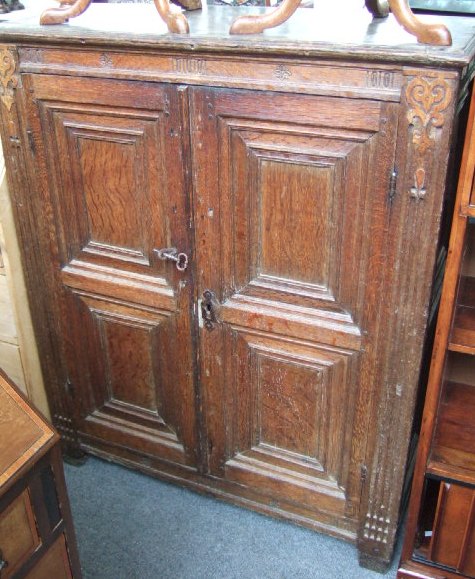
point(437, 34)
point(256, 24)
point(373, 562)
point(73, 455)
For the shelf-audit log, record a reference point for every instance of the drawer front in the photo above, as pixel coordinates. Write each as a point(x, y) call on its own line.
point(18, 534)
point(54, 564)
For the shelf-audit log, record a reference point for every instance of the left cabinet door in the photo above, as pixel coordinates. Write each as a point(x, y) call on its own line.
point(109, 184)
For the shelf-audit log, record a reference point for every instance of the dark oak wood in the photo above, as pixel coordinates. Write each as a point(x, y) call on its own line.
point(36, 533)
point(439, 535)
point(305, 183)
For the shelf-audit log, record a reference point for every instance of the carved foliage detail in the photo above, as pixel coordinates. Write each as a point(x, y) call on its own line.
point(8, 78)
point(428, 98)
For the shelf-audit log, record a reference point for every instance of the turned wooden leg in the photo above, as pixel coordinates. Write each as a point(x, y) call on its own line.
point(64, 12)
point(253, 24)
point(173, 18)
point(425, 33)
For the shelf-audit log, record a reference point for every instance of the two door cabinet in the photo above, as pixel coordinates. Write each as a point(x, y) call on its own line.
point(230, 259)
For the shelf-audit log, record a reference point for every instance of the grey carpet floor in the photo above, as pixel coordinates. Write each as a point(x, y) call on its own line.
point(130, 526)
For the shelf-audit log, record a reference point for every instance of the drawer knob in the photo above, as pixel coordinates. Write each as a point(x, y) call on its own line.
point(171, 253)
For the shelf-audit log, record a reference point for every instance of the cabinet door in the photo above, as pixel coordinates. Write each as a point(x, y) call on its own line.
point(292, 210)
point(109, 158)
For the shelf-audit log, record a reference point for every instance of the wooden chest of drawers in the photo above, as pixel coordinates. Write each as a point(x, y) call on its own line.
point(302, 178)
point(36, 533)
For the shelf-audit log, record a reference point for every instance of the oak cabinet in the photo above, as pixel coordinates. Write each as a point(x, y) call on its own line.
point(231, 260)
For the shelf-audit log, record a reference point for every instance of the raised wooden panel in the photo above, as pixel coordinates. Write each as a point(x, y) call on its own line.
point(289, 412)
point(129, 351)
point(295, 199)
point(297, 226)
point(128, 388)
point(113, 193)
point(108, 178)
point(289, 403)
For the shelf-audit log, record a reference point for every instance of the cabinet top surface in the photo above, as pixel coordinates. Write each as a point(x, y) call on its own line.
point(334, 29)
point(23, 433)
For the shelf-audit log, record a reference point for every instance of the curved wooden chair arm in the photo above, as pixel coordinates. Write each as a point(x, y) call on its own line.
point(67, 9)
point(254, 24)
point(437, 34)
point(176, 21)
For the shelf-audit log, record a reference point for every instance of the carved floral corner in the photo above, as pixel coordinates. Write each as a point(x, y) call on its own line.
point(428, 99)
point(9, 78)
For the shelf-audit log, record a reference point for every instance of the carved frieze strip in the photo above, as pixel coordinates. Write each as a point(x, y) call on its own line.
point(429, 99)
point(381, 82)
point(9, 77)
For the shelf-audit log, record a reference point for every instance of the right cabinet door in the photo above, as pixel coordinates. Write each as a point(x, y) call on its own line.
point(291, 219)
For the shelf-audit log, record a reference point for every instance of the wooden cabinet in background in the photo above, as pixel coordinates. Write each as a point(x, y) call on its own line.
point(277, 365)
point(37, 538)
point(440, 534)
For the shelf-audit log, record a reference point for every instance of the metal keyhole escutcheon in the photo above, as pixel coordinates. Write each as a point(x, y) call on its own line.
point(171, 253)
point(209, 309)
